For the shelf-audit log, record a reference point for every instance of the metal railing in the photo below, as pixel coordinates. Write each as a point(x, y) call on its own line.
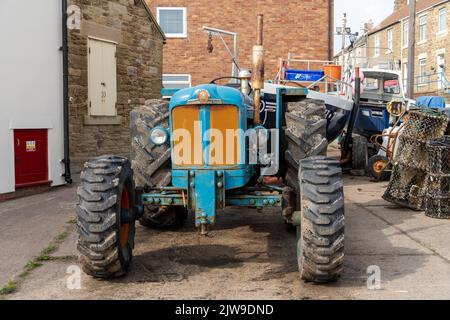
point(432, 82)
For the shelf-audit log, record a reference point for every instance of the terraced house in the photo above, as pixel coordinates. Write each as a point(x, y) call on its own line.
point(387, 45)
point(191, 59)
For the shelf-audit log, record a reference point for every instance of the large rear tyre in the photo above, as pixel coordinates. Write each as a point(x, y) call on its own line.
point(360, 155)
point(320, 236)
point(106, 219)
point(164, 217)
point(305, 136)
point(151, 163)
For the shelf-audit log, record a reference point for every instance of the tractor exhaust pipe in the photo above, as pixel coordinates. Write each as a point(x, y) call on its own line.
point(258, 69)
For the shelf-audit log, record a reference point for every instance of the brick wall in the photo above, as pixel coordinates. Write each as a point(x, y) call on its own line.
point(296, 26)
point(139, 73)
point(385, 55)
point(430, 48)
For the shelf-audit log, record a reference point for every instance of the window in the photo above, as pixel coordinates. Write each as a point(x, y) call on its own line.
point(423, 28)
point(443, 20)
point(176, 81)
point(391, 86)
point(389, 40)
point(173, 21)
point(405, 33)
point(377, 45)
point(422, 71)
point(371, 84)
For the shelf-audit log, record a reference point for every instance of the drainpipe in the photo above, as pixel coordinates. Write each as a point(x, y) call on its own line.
point(330, 30)
point(65, 49)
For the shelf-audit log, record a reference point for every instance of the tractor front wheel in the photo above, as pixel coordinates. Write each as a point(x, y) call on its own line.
point(106, 219)
point(320, 236)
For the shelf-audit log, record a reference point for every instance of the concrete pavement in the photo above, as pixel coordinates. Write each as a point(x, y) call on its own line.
point(249, 256)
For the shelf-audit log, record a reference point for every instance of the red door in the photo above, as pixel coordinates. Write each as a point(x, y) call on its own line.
point(31, 158)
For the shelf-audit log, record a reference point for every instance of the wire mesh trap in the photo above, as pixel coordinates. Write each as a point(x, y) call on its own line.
point(436, 191)
point(409, 181)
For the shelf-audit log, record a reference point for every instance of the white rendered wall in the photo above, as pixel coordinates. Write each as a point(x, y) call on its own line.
point(31, 81)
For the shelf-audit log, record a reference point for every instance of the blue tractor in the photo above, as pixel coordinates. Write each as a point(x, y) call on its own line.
point(180, 167)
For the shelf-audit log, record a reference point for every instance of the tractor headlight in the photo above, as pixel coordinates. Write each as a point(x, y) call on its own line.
point(159, 136)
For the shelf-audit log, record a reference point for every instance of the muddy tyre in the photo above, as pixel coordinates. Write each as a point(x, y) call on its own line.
point(305, 136)
point(151, 163)
point(320, 236)
point(105, 217)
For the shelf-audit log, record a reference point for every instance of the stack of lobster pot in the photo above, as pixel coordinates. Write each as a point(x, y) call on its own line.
point(436, 192)
point(411, 159)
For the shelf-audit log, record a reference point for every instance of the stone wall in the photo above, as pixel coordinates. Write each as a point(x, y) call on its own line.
point(297, 26)
point(139, 73)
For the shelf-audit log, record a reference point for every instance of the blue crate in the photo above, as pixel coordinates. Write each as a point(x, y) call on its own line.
point(304, 75)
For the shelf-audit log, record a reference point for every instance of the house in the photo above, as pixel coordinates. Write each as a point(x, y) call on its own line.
point(304, 28)
point(115, 64)
point(389, 42)
point(72, 73)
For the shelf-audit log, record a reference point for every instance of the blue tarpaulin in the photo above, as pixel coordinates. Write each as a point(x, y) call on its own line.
point(430, 102)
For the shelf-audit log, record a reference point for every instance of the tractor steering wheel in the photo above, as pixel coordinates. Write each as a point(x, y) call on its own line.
point(231, 85)
point(222, 78)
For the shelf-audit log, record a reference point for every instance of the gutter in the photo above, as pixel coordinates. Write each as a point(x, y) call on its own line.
point(65, 49)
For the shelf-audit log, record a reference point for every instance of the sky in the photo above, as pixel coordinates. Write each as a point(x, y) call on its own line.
point(359, 12)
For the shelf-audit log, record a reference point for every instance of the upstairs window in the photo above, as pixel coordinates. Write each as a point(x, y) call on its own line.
point(173, 21)
point(377, 45)
point(423, 28)
point(390, 44)
point(443, 20)
point(405, 33)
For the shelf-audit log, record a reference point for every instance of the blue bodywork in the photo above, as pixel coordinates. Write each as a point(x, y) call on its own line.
point(205, 188)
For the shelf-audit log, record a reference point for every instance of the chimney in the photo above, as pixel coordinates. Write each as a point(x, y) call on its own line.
point(368, 26)
point(398, 4)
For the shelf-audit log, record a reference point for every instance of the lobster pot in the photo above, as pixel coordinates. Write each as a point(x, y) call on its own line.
point(412, 153)
point(436, 192)
point(405, 187)
point(425, 125)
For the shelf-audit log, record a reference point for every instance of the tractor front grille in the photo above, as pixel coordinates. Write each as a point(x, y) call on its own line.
point(206, 130)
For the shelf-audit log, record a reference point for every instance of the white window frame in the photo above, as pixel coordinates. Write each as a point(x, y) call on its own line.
point(390, 41)
point(422, 58)
point(377, 40)
point(440, 32)
point(405, 34)
point(174, 35)
point(189, 82)
point(423, 36)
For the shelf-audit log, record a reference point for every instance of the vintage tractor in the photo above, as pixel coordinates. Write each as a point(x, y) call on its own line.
point(180, 166)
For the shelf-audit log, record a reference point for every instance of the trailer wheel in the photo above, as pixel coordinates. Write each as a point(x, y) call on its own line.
point(305, 136)
point(320, 236)
point(378, 168)
point(360, 155)
point(151, 163)
point(106, 219)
